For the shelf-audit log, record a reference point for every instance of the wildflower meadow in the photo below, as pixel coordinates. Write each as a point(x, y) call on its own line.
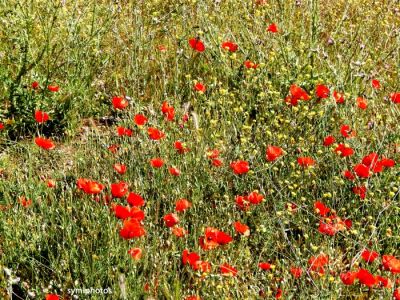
point(199, 149)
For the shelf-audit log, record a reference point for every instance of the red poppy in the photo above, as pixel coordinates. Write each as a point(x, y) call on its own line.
point(182, 205)
point(190, 258)
point(396, 294)
point(162, 48)
point(106, 200)
point(255, 197)
point(179, 146)
point(291, 207)
point(156, 162)
point(122, 212)
point(378, 167)
point(146, 287)
point(113, 148)
point(125, 212)
point(348, 277)
point(296, 272)
point(321, 209)
point(360, 190)
point(250, 65)
point(371, 159)
point(298, 93)
point(1, 126)
point(230, 46)
point(131, 229)
point(165, 107)
point(171, 220)
point(317, 263)
point(278, 293)
point(305, 161)
point(369, 256)
point(140, 120)
point(391, 263)
point(328, 227)
point(53, 88)
point(242, 202)
point(135, 199)
point(272, 28)
point(44, 143)
point(227, 270)
point(273, 152)
point(41, 117)
point(376, 84)
point(135, 253)
point(119, 190)
point(384, 282)
point(264, 266)
point(339, 97)
point(25, 202)
point(344, 151)
point(362, 103)
point(203, 266)
point(322, 91)
point(217, 162)
point(349, 175)
point(52, 297)
point(347, 132)
point(329, 140)
point(81, 183)
point(155, 134)
point(119, 102)
point(120, 168)
point(240, 167)
point(348, 223)
point(211, 154)
point(35, 85)
point(362, 171)
point(200, 87)
point(395, 97)
point(387, 162)
point(193, 259)
point(241, 228)
point(137, 213)
point(197, 44)
point(179, 231)
point(174, 171)
point(366, 278)
point(51, 183)
point(122, 131)
point(89, 186)
point(213, 238)
point(168, 111)
point(222, 238)
point(193, 298)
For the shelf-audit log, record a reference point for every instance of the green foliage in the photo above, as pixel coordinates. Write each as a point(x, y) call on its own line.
point(52, 45)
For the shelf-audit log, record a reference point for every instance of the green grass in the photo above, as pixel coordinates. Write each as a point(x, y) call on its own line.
point(95, 50)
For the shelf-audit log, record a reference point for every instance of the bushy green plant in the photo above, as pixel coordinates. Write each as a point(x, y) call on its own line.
point(48, 44)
